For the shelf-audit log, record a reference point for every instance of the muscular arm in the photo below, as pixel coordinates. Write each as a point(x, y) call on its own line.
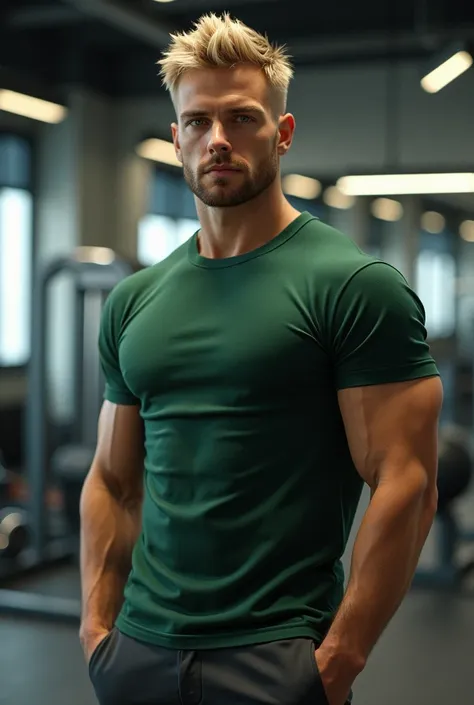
point(392, 433)
point(110, 519)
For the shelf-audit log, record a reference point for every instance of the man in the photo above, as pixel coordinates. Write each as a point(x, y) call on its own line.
point(256, 378)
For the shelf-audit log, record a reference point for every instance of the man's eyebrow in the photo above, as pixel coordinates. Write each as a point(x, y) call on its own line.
point(234, 111)
point(246, 109)
point(193, 113)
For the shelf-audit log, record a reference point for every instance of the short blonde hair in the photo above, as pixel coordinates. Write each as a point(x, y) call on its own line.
point(223, 42)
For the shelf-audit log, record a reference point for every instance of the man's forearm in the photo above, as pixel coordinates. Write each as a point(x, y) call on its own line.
point(384, 559)
point(109, 531)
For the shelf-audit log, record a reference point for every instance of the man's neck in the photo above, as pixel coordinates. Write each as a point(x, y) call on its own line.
point(228, 232)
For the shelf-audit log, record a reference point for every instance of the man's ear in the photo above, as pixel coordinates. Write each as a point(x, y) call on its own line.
point(286, 130)
point(175, 135)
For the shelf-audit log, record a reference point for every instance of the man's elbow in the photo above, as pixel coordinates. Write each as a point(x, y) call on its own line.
point(423, 499)
point(425, 487)
point(415, 486)
point(430, 501)
point(426, 492)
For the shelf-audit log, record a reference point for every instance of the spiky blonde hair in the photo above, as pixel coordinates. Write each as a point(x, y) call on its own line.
point(223, 42)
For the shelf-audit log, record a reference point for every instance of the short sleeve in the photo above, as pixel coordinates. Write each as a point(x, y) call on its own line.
point(116, 390)
point(378, 330)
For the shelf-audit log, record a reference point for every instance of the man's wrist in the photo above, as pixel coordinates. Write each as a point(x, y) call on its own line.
point(340, 660)
point(90, 630)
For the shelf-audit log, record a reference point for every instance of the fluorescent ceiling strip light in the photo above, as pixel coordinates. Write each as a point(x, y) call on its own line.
point(404, 184)
point(158, 151)
point(30, 107)
point(336, 199)
point(447, 72)
point(466, 230)
point(301, 186)
point(433, 222)
point(387, 209)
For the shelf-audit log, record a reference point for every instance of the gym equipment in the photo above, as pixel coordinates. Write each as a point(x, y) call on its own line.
point(455, 473)
point(94, 272)
point(14, 533)
point(4, 483)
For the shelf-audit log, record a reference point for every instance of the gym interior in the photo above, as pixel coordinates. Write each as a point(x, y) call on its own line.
point(91, 191)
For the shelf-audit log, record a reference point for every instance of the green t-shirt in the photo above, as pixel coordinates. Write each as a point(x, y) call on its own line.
point(249, 487)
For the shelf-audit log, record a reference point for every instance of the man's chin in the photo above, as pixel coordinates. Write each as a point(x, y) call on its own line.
point(222, 201)
point(222, 196)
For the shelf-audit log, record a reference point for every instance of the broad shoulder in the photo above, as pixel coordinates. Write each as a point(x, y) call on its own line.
point(128, 293)
point(336, 259)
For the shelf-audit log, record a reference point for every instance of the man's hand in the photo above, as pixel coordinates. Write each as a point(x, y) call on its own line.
point(91, 640)
point(337, 678)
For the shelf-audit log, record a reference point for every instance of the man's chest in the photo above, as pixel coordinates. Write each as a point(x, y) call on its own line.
point(237, 341)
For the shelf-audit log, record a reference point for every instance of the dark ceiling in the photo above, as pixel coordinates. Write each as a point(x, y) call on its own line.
point(112, 46)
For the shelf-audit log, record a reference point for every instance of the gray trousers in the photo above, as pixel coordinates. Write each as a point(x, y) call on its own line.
point(124, 671)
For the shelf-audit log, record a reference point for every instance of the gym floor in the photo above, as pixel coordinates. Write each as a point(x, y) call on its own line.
point(424, 657)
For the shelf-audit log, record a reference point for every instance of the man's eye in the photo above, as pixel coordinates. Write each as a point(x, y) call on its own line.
point(243, 118)
point(197, 122)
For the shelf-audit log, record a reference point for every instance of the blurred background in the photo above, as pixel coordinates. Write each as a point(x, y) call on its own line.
point(90, 191)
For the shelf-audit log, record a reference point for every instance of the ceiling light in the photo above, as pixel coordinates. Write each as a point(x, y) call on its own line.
point(466, 230)
point(403, 184)
point(446, 72)
point(334, 198)
point(301, 186)
point(386, 209)
point(433, 222)
point(158, 151)
point(30, 107)
point(94, 255)
point(164, 0)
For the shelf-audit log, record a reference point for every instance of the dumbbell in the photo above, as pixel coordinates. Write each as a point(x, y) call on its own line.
point(14, 533)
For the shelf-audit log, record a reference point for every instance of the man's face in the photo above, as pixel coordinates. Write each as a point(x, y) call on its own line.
point(229, 137)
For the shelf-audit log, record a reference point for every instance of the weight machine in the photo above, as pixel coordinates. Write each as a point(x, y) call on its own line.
point(94, 272)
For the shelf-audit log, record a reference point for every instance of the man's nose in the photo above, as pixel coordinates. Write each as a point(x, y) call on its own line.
point(219, 142)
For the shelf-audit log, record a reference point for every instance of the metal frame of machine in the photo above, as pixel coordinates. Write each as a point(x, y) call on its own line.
point(92, 269)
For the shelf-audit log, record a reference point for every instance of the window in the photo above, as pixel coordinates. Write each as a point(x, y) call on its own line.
point(159, 235)
point(436, 287)
point(171, 217)
point(15, 275)
point(16, 243)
